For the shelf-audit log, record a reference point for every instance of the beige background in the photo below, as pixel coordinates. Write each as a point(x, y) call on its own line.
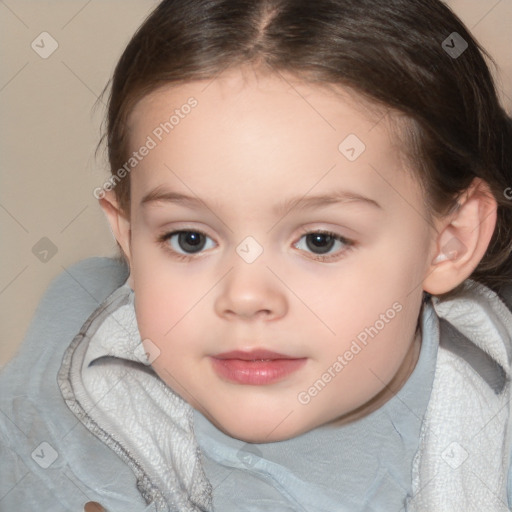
point(49, 133)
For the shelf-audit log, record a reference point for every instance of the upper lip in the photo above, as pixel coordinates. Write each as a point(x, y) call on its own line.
point(253, 355)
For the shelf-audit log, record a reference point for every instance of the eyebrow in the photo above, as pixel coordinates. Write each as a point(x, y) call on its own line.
point(160, 194)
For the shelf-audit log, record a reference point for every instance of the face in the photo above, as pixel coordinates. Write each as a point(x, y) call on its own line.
point(278, 246)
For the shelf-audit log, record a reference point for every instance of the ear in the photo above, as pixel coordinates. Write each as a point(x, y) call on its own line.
point(119, 224)
point(462, 239)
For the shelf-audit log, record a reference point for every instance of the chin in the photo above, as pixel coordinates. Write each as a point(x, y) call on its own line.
point(253, 431)
point(250, 435)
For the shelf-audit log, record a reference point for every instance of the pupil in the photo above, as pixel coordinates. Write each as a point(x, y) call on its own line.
point(191, 241)
point(317, 241)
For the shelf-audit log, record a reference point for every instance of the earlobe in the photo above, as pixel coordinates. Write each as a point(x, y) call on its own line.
point(462, 239)
point(119, 223)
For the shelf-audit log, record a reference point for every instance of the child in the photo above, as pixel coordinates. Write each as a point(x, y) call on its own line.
point(313, 201)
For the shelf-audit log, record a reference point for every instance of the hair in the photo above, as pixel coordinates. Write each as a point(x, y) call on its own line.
point(389, 52)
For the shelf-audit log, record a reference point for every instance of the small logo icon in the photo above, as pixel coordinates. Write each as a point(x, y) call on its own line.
point(44, 250)
point(45, 455)
point(454, 45)
point(352, 147)
point(454, 455)
point(249, 455)
point(44, 45)
point(249, 249)
point(146, 352)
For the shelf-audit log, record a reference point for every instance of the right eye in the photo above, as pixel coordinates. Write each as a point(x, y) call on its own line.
point(184, 243)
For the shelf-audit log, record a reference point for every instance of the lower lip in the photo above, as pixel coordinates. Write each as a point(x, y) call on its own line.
point(256, 373)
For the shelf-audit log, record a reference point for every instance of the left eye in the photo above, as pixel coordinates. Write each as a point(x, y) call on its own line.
point(322, 242)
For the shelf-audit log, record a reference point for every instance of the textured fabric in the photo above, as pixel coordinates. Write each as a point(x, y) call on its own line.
point(464, 451)
point(108, 383)
point(33, 412)
point(365, 465)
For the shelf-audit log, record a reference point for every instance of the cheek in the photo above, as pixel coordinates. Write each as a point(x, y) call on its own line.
point(171, 315)
point(171, 301)
point(159, 296)
point(395, 266)
point(372, 308)
point(366, 287)
point(370, 352)
point(164, 310)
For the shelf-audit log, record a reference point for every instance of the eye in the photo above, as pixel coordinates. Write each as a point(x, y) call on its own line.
point(184, 243)
point(322, 242)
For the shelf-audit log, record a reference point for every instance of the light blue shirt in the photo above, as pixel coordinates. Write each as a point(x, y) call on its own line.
point(365, 465)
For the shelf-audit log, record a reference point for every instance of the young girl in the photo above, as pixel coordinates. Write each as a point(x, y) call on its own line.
point(312, 310)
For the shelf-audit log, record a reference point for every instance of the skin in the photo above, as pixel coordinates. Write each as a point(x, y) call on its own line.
point(252, 142)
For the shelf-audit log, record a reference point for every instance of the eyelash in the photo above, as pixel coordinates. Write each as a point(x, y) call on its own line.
point(349, 244)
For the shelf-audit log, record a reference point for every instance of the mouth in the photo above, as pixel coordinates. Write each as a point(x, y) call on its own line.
point(256, 367)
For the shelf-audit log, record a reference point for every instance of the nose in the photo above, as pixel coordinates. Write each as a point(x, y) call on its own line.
point(251, 292)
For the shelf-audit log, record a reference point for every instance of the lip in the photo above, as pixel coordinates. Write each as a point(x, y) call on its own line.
point(255, 367)
point(251, 355)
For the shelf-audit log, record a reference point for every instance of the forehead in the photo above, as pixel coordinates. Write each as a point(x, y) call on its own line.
point(246, 88)
point(248, 130)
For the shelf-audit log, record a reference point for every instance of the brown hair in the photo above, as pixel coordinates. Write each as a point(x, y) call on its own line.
point(395, 53)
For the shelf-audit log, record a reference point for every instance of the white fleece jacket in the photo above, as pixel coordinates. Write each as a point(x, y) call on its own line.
point(462, 463)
